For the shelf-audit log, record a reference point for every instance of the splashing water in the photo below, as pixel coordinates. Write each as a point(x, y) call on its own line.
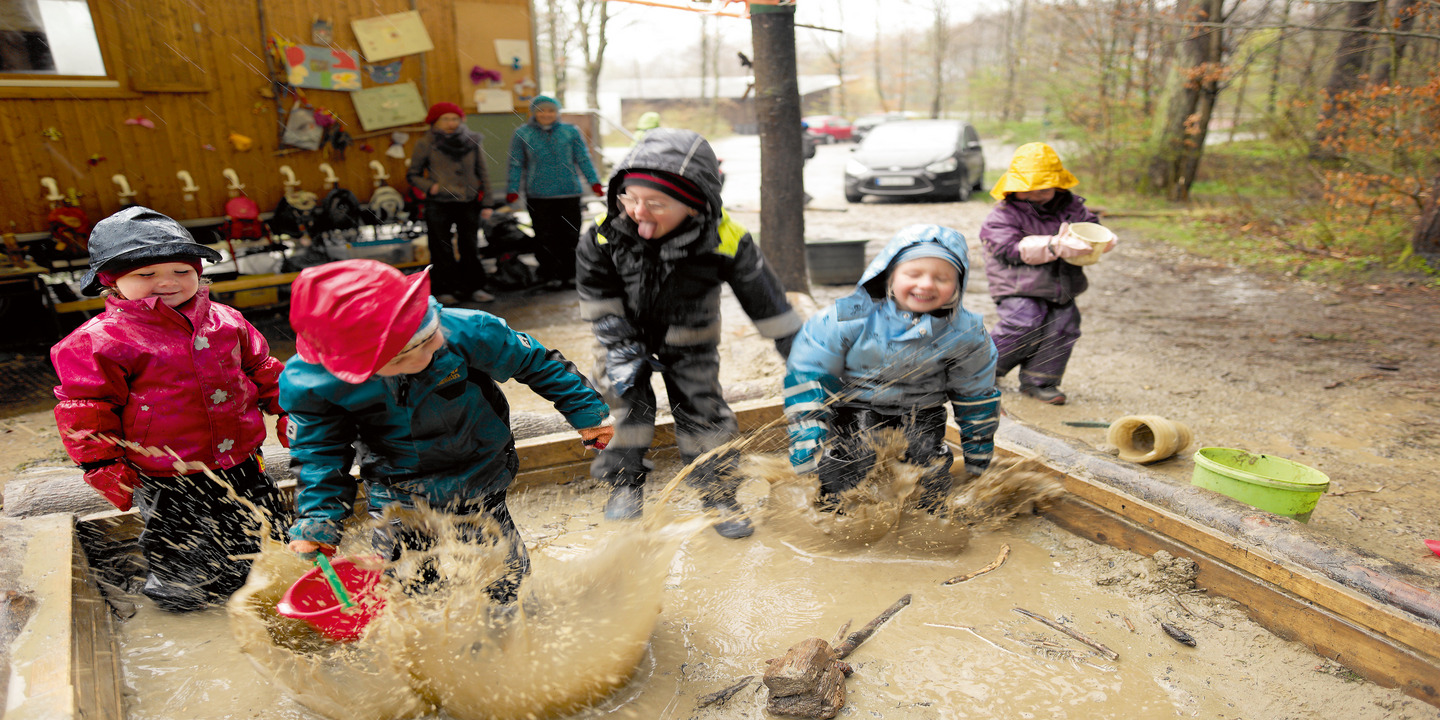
point(577, 634)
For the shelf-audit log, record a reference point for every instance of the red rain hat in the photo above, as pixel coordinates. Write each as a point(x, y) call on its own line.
point(441, 108)
point(353, 316)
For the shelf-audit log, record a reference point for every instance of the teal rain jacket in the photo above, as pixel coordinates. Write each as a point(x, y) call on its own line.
point(865, 351)
point(441, 435)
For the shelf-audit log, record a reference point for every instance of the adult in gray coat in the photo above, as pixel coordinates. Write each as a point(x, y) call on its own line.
point(449, 167)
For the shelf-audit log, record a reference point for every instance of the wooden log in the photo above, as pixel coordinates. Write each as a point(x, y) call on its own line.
point(15, 610)
point(822, 703)
point(799, 670)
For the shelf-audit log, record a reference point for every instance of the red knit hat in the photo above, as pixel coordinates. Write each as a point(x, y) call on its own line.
point(353, 316)
point(675, 186)
point(441, 108)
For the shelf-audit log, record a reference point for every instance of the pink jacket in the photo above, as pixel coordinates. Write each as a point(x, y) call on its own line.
point(193, 380)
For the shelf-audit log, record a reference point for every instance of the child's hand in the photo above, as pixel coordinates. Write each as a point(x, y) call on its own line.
point(308, 548)
point(282, 430)
point(1070, 246)
point(116, 481)
point(596, 438)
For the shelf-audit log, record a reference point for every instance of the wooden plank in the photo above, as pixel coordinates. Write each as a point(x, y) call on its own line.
point(1371, 654)
point(41, 666)
point(1370, 591)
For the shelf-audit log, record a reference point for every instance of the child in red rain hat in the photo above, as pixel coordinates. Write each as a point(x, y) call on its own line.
point(413, 388)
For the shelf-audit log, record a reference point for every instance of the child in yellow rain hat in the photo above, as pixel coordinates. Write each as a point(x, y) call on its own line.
point(1025, 239)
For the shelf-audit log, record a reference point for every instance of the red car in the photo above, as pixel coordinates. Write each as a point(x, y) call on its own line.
point(831, 128)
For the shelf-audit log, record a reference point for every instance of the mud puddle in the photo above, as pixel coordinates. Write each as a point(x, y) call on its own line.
point(713, 610)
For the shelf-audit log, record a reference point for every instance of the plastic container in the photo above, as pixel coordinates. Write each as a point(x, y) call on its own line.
point(1146, 439)
point(313, 600)
point(1097, 235)
point(1273, 484)
point(835, 262)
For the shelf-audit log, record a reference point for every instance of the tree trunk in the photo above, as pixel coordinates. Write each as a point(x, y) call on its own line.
point(1426, 242)
point(1195, 85)
point(777, 113)
point(598, 15)
point(559, 40)
point(1275, 68)
point(1404, 21)
point(879, 66)
point(1351, 61)
point(940, 46)
point(1014, 50)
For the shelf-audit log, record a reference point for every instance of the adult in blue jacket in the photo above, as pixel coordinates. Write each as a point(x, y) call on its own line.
point(892, 355)
point(383, 372)
point(547, 159)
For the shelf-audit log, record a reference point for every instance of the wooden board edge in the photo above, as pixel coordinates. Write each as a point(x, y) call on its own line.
point(1373, 655)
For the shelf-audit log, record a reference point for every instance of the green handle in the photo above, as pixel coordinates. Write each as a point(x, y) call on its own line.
point(335, 584)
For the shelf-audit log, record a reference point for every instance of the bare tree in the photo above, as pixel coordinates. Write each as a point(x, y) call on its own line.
point(835, 52)
point(1015, 22)
point(555, 40)
point(879, 76)
point(1351, 61)
point(592, 18)
point(1195, 81)
point(940, 37)
point(1426, 241)
point(1403, 21)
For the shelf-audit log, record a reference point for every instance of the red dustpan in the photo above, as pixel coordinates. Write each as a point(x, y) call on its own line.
point(1434, 546)
point(338, 599)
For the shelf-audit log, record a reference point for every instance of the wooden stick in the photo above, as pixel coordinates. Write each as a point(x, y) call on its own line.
point(840, 634)
point(863, 634)
point(1047, 622)
point(1192, 613)
point(719, 698)
point(972, 631)
point(994, 565)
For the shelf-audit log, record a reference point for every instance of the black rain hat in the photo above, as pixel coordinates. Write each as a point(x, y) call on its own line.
point(138, 236)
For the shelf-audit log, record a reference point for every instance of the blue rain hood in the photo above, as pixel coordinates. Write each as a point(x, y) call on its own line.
point(939, 241)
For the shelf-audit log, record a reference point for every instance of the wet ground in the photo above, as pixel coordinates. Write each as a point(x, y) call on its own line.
point(714, 610)
point(1341, 379)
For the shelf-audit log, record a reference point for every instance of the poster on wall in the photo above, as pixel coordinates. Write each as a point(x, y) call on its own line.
point(392, 36)
point(389, 106)
point(322, 68)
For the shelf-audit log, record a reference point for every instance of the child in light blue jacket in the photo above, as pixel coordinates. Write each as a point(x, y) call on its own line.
point(892, 355)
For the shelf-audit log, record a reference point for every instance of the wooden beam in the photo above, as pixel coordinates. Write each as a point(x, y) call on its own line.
point(1288, 615)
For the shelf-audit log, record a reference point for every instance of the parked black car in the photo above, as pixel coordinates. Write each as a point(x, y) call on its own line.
point(917, 158)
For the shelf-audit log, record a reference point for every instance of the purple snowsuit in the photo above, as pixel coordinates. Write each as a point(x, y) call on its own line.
point(1039, 322)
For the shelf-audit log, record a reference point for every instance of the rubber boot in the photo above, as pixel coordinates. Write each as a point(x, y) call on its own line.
point(717, 479)
point(627, 496)
point(733, 523)
point(1048, 395)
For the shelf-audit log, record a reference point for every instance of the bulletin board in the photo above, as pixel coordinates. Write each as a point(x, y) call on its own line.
point(501, 22)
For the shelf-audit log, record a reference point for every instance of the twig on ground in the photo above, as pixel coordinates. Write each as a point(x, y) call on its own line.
point(1192, 613)
point(1357, 491)
point(994, 565)
point(972, 631)
point(1047, 622)
point(719, 698)
point(861, 635)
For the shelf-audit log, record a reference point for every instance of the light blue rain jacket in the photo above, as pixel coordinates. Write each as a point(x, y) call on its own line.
point(866, 351)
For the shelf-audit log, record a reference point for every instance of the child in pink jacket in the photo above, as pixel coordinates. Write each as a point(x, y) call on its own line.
point(164, 367)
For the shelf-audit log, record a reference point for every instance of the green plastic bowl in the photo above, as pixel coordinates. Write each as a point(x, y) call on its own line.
point(1273, 484)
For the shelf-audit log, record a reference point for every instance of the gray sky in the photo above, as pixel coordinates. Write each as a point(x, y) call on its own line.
point(641, 33)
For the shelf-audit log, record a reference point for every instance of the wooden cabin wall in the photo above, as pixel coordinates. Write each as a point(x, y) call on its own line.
point(203, 64)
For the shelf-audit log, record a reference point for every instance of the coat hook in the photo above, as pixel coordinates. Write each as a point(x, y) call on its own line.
point(234, 179)
point(330, 179)
point(378, 170)
point(289, 176)
point(54, 190)
point(125, 192)
point(189, 187)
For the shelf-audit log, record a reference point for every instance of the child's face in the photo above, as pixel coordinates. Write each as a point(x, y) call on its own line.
point(924, 284)
point(546, 114)
point(173, 282)
point(1041, 196)
point(654, 212)
point(415, 359)
point(448, 123)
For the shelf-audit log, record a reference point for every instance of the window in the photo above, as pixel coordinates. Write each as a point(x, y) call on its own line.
point(49, 37)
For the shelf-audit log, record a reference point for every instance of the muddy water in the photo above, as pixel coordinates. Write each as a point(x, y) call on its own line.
point(712, 610)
